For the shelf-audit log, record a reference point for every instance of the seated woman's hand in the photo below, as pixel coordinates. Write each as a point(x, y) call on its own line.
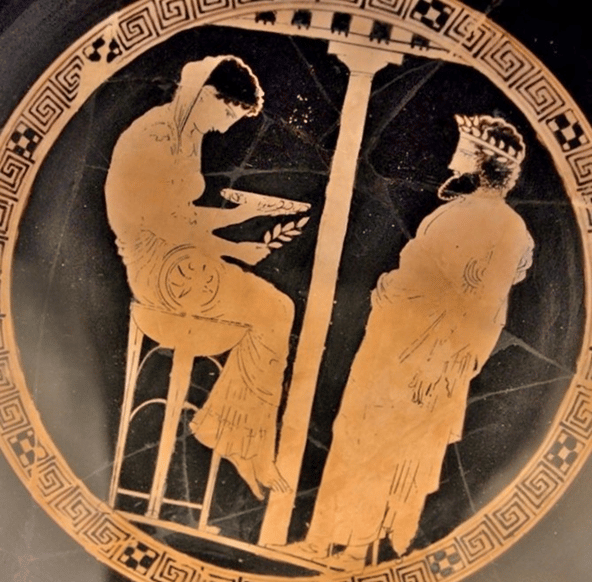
point(252, 253)
point(253, 204)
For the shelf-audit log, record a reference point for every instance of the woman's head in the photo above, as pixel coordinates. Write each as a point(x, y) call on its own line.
point(236, 85)
point(216, 92)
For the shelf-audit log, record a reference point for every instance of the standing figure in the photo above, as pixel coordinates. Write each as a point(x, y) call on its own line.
point(175, 262)
point(434, 323)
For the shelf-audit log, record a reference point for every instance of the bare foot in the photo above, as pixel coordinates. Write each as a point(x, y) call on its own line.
point(257, 477)
point(246, 470)
point(271, 478)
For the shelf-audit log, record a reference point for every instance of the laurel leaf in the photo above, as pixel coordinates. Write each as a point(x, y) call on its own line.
point(302, 221)
point(267, 237)
point(275, 245)
point(276, 230)
point(294, 232)
point(289, 226)
point(285, 238)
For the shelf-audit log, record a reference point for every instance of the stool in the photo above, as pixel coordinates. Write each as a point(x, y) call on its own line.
point(188, 336)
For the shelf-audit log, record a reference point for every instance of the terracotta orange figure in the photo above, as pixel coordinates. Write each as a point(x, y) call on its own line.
point(434, 322)
point(175, 262)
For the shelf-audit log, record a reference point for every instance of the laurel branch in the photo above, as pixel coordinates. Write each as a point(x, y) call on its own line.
point(283, 233)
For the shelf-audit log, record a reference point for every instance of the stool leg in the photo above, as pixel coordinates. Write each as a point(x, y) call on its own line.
point(133, 359)
point(209, 494)
point(374, 546)
point(178, 387)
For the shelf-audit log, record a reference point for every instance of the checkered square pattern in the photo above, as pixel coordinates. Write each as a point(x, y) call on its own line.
point(432, 13)
point(92, 52)
point(24, 141)
point(138, 557)
point(25, 447)
point(444, 563)
point(567, 131)
point(114, 51)
point(564, 452)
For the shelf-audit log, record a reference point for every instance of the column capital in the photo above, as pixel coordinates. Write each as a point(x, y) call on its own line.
point(363, 61)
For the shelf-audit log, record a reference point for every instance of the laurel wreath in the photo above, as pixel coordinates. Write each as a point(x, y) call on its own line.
point(283, 233)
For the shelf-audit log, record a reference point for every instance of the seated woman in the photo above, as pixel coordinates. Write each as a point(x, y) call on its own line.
point(175, 262)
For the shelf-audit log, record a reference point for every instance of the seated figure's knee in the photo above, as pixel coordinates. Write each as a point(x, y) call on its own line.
point(274, 315)
point(281, 308)
point(288, 307)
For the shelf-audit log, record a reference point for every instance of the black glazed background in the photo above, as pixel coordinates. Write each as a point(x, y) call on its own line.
point(91, 281)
